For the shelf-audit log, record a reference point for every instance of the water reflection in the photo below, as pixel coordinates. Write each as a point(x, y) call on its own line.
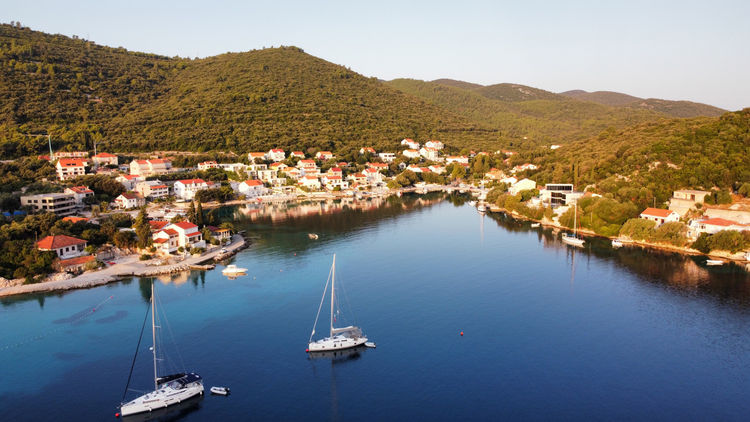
point(659, 267)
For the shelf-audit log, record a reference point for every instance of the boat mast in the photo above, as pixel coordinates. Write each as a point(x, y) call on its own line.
point(333, 288)
point(575, 216)
point(153, 333)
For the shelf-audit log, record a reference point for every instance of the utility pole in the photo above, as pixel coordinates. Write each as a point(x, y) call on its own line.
point(49, 141)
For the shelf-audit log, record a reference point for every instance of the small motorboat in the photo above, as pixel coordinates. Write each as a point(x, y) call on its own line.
point(472, 203)
point(370, 344)
point(714, 262)
point(535, 225)
point(221, 391)
point(481, 208)
point(616, 243)
point(233, 270)
point(312, 236)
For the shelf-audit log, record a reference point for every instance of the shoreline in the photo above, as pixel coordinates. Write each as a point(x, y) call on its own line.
point(737, 258)
point(130, 268)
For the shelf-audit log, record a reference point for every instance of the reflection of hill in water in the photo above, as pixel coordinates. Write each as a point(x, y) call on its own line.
point(684, 272)
point(285, 226)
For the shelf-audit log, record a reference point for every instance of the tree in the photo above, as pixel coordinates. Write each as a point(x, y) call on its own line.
point(143, 229)
point(199, 214)
point(191, 215)
point(638, 229)
point(124, 239)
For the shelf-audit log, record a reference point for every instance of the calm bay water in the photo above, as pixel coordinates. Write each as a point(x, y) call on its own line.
point(549, 332)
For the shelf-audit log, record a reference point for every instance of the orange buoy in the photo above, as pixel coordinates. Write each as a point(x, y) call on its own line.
point(462, 333)
point(307, 350)
point(117, 415)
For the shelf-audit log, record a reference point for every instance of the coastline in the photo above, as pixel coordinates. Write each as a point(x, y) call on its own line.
point(130, 268)
point(738, 257)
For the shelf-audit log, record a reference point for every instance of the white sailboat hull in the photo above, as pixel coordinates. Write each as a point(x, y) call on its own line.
point(163, 397)
point(573, 241)
point(335, 343)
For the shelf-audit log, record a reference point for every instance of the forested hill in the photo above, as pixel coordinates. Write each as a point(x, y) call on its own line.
point(518, 111)
point(81, 91)
point(670, 108)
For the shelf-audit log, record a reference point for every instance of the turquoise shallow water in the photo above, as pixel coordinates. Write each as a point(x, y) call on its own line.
point(548, 332)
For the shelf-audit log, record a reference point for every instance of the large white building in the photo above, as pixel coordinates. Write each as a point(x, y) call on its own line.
point(152, 189)
point(659, 216)
point(387, 157)
point(252, 188)
point(105, 159)
point(429, 153)
point(187, 188)
point(61, 204)
point(69, 168)
point(150, 167)
point(129, 201)
point(172, 236)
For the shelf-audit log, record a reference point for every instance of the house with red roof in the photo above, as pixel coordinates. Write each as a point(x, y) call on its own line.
point(429, 153)
point(373, 176)
point(129, 200)
point(150, 167)
point(252, 188)
point(105, 159)
point(74, 219)
point(166, 241)
point(276, 155)
point(334, 171)
point(80, 193)
point(333, 181)
point(659, 216)
point(73, 265)
point(324, 155)
point(297, 154)
point(367, 150)
point(434, 144)
point(358, 178)
point(184, 233)
point(64, 246)
point(253, 156)
point(69, 168)
point(309, 182)
point(412, 144)
point(208, 165)
point(378, 166)
point(715, 225)
point(153, 189)
point(187, 188)
point(129, 181)
point(460, 159)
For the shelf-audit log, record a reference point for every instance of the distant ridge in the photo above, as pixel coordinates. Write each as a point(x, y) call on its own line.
point(668, 107)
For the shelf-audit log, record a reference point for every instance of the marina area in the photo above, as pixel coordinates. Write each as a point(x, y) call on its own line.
point(534, 320)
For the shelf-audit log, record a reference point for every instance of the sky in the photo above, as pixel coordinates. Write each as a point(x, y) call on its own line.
point(677, 50)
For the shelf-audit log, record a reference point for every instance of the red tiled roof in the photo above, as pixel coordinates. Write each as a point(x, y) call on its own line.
point(191, 181)
point(130, 195)
point(253, 183)
point(71, 162)
point(657, 212)
point(105, 155)
point(76, 261)
point(720, 222)
point(161, 240)
point(277, 150)
point(158, 224)
point(185, 225)
point(160, 161)
point(172, 232)
point(59, 241)
point(81, 189)
point(74, 219)
point(335, 170)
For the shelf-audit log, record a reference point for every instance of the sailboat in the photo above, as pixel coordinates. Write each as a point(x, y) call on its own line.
point(169, 389)
point(338, 338)
point(573, 240)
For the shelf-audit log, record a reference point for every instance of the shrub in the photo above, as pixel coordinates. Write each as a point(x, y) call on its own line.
point(145, 257)
point(638, 229)
point(673, 233)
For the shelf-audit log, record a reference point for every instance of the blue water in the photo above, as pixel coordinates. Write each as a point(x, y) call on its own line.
point(549, 332)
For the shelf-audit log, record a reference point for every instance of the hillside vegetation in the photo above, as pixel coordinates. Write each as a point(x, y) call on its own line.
point(667, 107)
point(81, 92)
point(547, 118)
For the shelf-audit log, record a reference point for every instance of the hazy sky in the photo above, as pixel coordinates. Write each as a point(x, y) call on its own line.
point(679, 50)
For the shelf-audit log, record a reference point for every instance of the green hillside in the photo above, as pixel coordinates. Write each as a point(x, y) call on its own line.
point(552, 119)
point(80, 91)
point(667, 107)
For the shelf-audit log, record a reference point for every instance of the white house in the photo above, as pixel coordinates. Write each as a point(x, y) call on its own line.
point(378, 166)
point(208, 165)
point(429, 153)
point(523, 167)
point(186, 189)
point(461, 159)
point(105, 159)
point(308, 167)
point(659, 215)
point(324, 155)
point(367, 150)
point(521, 185)
point(152, 189)
point(80, 192)
point(333, 181)
point(252, 156)
point(130, 200)
point(437, 169)
point(410, 153)
point(410, 143)
point(276, 155)
point(166, 241)
point(434, 144)
point(252, 188)
point(69, 168)
point(188, 235)
point(373, 176)
point(309, 182)
point(129, 181)
point(358, 178)
point(387, 157)
point(715, 225)
point(64, 246)
point(297, 154)
point(150, 167)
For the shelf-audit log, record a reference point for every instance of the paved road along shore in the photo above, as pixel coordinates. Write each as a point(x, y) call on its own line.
point(130, 266)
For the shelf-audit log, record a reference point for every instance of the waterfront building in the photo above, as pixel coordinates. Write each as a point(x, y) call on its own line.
point(684, 200)
point(659, 216)
point(62, 245)
point(556, 194)
point(187, 188)
point(252, 188)
point(61, 204)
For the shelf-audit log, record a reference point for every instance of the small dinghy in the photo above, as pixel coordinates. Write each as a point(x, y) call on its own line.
point(312, 236)
point(222, 391)
point(370, 344)
point(714, 262)
point(535, 225)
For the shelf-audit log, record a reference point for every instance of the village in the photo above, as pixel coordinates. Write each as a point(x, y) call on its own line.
point(175, 233)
